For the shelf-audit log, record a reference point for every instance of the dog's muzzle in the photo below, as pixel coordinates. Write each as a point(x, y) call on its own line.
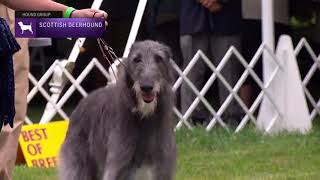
point(147, 97)
point(147, 93)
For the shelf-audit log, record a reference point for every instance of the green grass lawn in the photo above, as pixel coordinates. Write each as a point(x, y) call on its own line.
point(243, 156)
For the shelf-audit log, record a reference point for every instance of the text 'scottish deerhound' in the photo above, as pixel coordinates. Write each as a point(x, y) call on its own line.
point(125, 131)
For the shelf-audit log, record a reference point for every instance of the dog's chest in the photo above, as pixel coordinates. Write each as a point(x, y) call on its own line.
point(145, 172)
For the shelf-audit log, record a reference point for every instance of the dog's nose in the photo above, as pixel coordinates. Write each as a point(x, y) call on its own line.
point(146, 88)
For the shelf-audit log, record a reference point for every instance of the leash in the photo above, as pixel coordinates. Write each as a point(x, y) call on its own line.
point(108, 54)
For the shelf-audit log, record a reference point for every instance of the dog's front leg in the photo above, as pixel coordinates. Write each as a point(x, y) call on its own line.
point(111, 173)
point(120, 153)
point(166, 164)
point(165, 172)
point(116, 171)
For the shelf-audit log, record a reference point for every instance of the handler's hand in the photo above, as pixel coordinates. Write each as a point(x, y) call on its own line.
point(207, 3)
point(212, 5)
point(90, 13)
point(214, 8)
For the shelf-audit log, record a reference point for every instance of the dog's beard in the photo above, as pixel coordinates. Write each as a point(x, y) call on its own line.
point(146, 109)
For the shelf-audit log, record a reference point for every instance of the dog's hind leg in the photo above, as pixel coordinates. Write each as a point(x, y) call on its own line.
point(75, 163)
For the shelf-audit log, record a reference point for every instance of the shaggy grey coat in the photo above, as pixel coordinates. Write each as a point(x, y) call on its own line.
point(109, 138)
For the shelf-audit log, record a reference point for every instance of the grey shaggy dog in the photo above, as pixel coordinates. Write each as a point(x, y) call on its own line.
point(125, 131)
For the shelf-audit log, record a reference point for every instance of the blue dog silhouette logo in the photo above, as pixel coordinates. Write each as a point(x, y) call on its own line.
point(25, 27)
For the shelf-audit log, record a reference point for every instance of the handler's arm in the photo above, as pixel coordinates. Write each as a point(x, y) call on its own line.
point(34, 5)
point(48, 5)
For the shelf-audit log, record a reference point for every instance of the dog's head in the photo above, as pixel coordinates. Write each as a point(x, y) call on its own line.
point(148, 73)
point(20, 23)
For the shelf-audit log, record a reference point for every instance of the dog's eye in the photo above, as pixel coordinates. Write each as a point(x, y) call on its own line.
point(137, 60)
point(158, 59)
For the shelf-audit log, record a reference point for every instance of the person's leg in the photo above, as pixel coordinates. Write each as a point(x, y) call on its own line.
point(251, 40)
point(190, 44)
point(9, 136)
point(245, 93)
point(219, 46)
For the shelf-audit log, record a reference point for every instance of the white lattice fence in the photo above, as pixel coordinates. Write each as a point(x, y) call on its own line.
point(315, 67)
point(59, 71)
point(55, 106)
point(216, 75)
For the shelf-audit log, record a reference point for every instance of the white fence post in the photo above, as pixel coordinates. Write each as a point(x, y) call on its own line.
point(267, 111)
point(135, 26)
point(56, 84)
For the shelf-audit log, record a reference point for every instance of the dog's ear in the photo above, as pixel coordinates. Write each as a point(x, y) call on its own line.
point(167, 51)
point(169, 57)
point(124, 74)
point(171, 72)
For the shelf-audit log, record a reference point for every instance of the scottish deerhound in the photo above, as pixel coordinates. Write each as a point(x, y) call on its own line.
point(125, 131)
